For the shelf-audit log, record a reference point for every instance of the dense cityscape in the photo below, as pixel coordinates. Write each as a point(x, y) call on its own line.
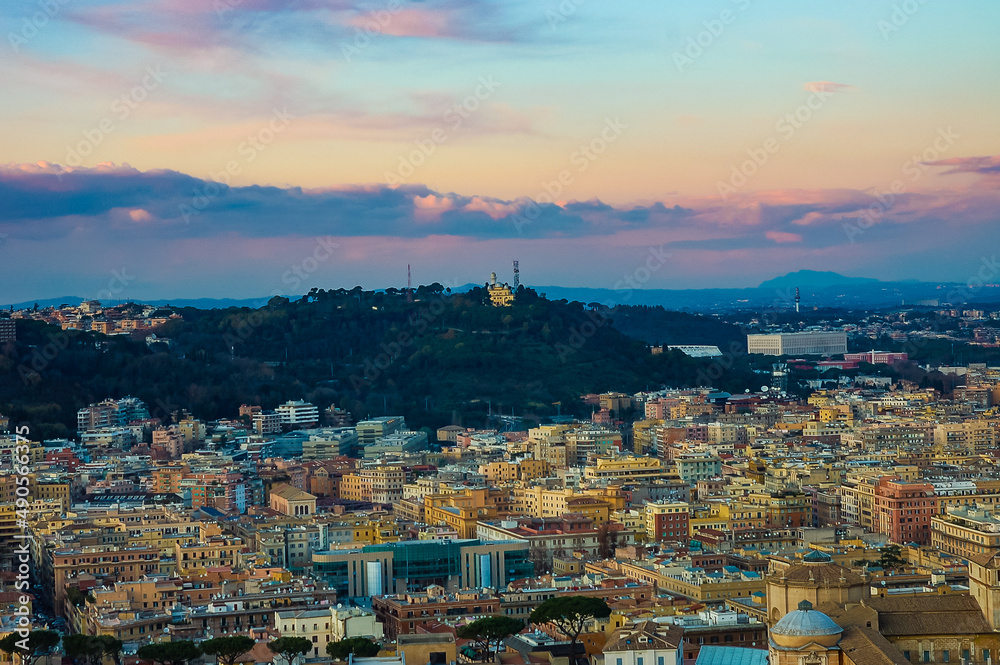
point(499, 332)
point(840, 510)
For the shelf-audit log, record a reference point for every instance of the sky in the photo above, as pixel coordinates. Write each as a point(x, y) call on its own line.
point(239, 148)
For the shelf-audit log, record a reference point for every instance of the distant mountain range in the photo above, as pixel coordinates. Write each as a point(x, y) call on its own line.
point(816, 288)
point(814, 279)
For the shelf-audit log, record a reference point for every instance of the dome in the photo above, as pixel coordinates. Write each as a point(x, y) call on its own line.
point(816, 571)
point(803, 626)
point(815, 556)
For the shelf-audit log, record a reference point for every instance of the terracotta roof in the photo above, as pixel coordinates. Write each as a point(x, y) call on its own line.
point(291, 493)
point(815, 574)
point(929, 614)
point(864, 645)
point(990, 559)
point(856, 615)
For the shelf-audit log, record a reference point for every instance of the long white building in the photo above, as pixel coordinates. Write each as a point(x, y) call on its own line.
point(824, 343)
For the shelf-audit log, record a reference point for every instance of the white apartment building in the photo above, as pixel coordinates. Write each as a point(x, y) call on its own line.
point(821, 342)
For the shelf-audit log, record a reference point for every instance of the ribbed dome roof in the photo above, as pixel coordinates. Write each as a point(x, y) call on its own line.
point(805, 621)
point(817, 572)
point(815, 556)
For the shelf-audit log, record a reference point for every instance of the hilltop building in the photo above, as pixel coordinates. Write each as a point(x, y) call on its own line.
point(501, 295)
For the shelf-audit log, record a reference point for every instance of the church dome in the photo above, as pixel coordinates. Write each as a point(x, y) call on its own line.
point(804, 626)
point(815, 556)
point(817, 569)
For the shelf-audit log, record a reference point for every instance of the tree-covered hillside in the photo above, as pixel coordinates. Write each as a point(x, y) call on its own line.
point(440, 359)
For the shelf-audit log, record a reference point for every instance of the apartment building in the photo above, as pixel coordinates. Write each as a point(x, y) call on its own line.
point(410, 613)
point(903, 510)
point(380, 484)
point(966, 531)
point(668, 523)
point(621, 469)
point(297, 414)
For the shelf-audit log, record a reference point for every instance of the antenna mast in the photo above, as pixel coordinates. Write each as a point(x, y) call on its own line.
point(409, 284)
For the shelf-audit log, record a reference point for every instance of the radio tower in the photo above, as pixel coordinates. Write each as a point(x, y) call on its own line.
point(797, 300)
point(409, 284)
point(517, 276)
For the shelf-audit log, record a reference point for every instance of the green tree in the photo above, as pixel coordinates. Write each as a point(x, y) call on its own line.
point(38, 643)
point(490, 630)
point(109, 646)
point(359, 646)
point(891, 557)
point(570, 615)
point(607, 541)
point(290, 648)
point(83, 649)
point(227, 650)
point(78, 597)
point(170, 653)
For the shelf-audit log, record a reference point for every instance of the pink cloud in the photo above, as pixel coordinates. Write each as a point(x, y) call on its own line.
point(457, 20)
point(493, 208)
point(826, 86)
point(985, 165)
point(430, 208)
point(410, 23)
point(782, 237)
point(808, 219)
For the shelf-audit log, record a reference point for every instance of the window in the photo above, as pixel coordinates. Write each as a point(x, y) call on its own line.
point(927, 656)
point(946, 656)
